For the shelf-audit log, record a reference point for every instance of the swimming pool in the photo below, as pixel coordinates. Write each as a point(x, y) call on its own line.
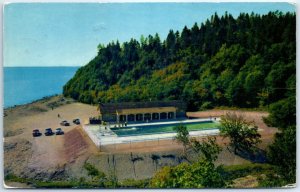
point(163, 128)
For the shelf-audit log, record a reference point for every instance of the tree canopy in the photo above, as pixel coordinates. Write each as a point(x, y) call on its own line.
point(248, 61)
point(182, 136)
point(208, 148)
point(243, 135)
point(201, 174)
point(282, 152)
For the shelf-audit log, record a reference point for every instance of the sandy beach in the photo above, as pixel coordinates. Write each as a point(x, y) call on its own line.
point(61, 157)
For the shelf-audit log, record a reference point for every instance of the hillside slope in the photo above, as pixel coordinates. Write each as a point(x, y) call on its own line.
point(248, 61)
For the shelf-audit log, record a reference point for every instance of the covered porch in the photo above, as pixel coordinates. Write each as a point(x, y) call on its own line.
point(145, 114)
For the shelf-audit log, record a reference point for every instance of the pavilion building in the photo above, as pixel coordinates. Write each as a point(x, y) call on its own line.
point(141, 111)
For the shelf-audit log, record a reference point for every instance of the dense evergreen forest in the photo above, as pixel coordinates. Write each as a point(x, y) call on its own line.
point(248, 61)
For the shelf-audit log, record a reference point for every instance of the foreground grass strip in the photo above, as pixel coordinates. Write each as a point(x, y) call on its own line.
point(235, 171)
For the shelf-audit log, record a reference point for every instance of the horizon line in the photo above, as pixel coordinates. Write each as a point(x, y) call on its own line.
point(47, 66)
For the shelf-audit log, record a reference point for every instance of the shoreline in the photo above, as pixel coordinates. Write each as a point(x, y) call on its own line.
point(35, 107)
point(24, 85)
point(33, 101)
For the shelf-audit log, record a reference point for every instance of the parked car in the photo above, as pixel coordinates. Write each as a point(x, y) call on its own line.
point(36, 133)
point(59, 131)
point(64, 123)
point(94, 120)
point(76, 121)
point(48, 132)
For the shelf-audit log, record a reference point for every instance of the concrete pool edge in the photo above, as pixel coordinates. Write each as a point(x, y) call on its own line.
point(101, 136)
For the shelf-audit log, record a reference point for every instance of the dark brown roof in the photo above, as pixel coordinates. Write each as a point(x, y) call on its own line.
point(112, 107)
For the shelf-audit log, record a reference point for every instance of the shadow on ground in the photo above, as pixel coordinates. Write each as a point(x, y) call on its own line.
point(256, 155)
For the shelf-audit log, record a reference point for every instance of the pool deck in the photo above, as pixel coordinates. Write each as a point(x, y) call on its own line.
point(101, 136)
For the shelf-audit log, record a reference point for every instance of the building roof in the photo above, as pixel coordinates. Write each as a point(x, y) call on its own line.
point(113, 107)
point(146, 110)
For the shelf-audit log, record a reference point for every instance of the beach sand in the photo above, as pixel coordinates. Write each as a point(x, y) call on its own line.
point(62, 157)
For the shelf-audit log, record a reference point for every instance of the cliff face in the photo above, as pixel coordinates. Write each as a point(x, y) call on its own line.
point(248, 61)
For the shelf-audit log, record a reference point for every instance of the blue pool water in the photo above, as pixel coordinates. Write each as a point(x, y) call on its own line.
point(163, 128)
point(26, 84)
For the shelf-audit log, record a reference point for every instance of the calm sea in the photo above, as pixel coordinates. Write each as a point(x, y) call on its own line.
point(26, 84)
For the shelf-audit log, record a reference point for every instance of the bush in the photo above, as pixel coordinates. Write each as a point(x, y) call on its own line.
point(206, 105)
point(202, 174)
point(243, 135)
point(271, 180)
point(235, 171)
point(131, 183)
point(92, 171)
point(14, 178)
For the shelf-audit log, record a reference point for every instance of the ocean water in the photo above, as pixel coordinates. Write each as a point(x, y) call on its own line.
point(25, 84)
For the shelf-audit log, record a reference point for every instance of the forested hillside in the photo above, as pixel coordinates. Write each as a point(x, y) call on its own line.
point(248, 61)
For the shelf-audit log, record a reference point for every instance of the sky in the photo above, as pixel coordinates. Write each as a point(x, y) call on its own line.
point(67, 34)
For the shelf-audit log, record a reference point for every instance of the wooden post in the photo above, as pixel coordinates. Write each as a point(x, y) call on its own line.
point(118, 118)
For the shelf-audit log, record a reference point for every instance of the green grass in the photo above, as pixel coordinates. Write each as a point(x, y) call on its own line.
point(235, 171)
point(131, 183)
point(42, 184)
point(81, 183)
point(265, 173)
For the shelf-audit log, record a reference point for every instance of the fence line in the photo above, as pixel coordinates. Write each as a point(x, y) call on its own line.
point(115, 143)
